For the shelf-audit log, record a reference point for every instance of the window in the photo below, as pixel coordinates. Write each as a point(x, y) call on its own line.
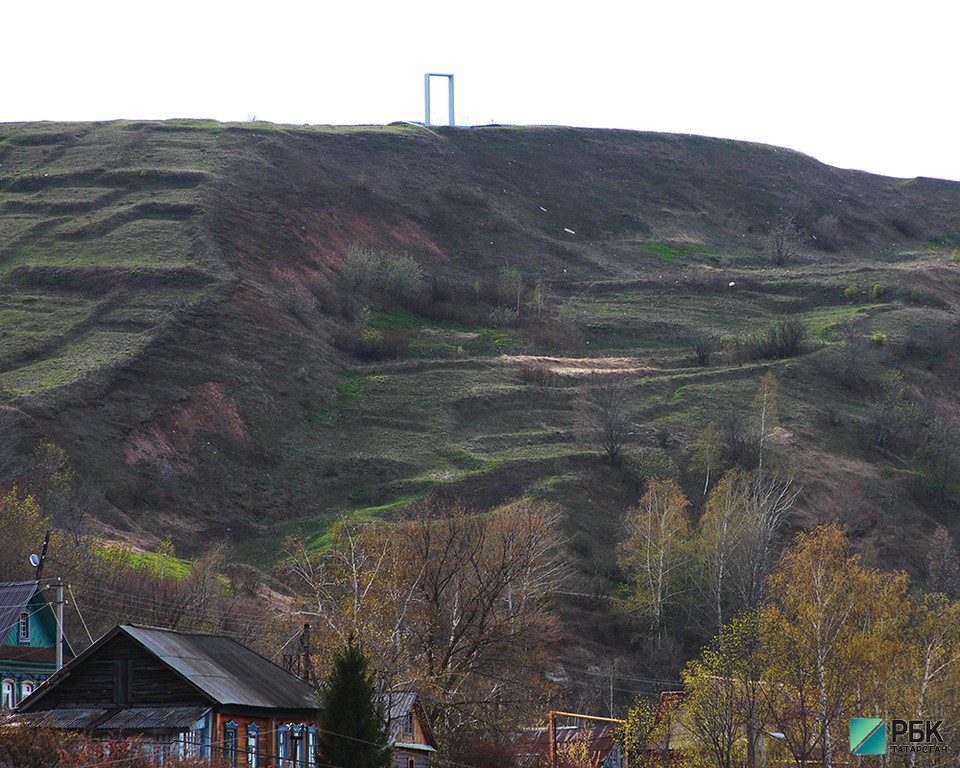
point(253, 745)
point(8, 694)
point(230, 733)
point(196, 741)
point(408, 726)
point(26, 688)
point(283, 745)
point(24, 625)
point(297, 745)
point(411, 763)
point(312, 746)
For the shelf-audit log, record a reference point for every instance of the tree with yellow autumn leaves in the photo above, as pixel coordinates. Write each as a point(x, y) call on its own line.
point(835, 639)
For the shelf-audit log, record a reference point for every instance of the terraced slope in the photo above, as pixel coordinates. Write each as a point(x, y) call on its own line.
point(173, 315)
point(100, 244)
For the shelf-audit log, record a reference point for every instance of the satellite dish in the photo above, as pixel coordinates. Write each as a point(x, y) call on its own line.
point(34, 560)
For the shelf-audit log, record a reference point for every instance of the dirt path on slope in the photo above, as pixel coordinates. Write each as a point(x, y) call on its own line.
point(581, 366)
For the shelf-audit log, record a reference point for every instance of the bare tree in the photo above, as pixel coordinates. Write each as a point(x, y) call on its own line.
point(943, 564)
point(939, 455)
point(362, 587)
point(784, 238)
point(605, 410)
point(452, 603)
point(483, 631)
point(65, 497)
point(704, 345)
point(852, 353)
point(9, 441)
point(770, 501)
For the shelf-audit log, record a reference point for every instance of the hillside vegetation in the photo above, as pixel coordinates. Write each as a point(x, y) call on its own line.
point(243, 332)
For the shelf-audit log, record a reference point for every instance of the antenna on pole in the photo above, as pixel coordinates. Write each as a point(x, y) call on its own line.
point(37, 560)
point(426, 96)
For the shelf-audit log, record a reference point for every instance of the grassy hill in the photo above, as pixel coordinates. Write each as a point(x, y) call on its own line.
point(173, 313)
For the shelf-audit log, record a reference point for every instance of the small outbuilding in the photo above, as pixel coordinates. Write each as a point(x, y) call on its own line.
point(411, 736)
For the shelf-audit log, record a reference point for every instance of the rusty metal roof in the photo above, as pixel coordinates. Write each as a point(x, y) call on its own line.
point(225, 671)
point(534, 745)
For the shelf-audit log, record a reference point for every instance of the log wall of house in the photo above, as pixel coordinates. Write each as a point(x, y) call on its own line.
point(123, 673)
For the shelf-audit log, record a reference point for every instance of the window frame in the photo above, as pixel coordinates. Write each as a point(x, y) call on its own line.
point(23, 628)
point(9, 694)
point(253, 745)
point(298, 744)
point(283, 746)
point(231, 743)
point(26, 688)
point(312, 743)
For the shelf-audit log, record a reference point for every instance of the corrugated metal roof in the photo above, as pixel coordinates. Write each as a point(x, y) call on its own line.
point(14, 596)
point(67, 717)
point(396, 705)
point(534, 745)
point(153, 718)
point(224, 670)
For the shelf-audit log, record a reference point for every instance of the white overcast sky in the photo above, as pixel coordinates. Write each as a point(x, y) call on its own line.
point(857, 84)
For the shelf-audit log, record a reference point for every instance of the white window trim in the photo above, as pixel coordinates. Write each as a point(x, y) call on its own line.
point(9, 694)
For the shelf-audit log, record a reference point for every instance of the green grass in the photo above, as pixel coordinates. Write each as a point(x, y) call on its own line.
point(162, 565)
point(141, 243)
point(395, 318)
point(670, 253)
point(71, 363)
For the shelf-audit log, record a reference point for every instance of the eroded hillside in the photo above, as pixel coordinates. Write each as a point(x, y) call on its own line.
point(175, 316)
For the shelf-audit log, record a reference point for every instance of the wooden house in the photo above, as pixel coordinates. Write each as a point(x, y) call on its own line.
point(28, 640)
point(185, 694)
point(411, 736)
point(596, 744)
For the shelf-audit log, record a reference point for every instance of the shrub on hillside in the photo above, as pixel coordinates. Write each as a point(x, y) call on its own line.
point(372, 344)
point(704, 345)
point(396, 274)
point(785, 339)
point(539, 374)
point(554, 338)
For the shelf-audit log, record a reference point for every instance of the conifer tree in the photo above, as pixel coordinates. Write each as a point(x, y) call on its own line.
point(353, 733)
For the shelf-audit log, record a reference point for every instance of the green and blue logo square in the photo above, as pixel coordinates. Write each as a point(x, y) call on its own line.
point(868, 736)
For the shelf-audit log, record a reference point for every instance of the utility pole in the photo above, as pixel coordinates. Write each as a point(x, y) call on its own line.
point(553, 731)
point(553, 740)
point(59, 623)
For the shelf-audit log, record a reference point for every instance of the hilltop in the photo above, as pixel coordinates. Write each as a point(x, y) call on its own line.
point(176, 317)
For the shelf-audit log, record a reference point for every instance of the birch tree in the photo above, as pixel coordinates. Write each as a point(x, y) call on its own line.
point(769, 502)
point(722, 536)
point(831, 618)
point(652, 552)
point(765, 413)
